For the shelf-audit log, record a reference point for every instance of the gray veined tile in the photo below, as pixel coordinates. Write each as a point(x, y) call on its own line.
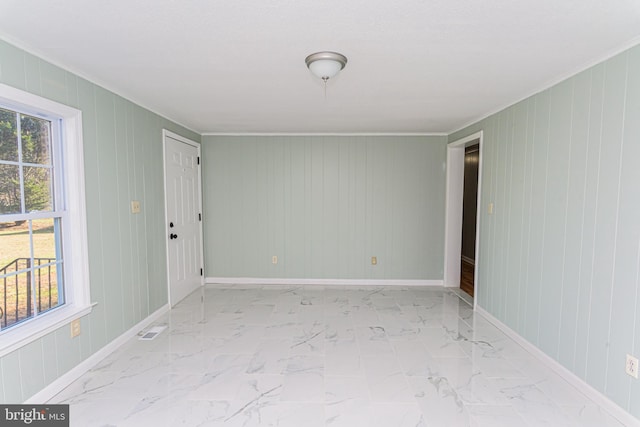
point(398, 415)
point(222, 378)
point(440, 402)
point(326, 356)
point(494, 416)
point(346, 389)
point(386, 381)
point(271, 356)
point(310, 340)
point(442, 342)
point(348, 413)
point(414, 358)
point(338, 328)
point(305, 386)
point(373, 340)
point(343, 357)
point(590, 415)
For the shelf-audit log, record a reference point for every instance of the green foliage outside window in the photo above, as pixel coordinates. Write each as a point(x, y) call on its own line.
point(36, 160)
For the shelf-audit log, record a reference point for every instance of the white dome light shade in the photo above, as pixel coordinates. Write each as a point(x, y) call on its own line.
point(326, 65)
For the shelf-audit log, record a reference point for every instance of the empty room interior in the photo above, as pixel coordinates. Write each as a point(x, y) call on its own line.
point(419, 213)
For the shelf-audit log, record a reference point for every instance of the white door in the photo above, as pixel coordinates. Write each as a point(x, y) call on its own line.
point(182, 195)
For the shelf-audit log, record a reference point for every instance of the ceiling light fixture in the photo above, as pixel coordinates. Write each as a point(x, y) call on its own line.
point(326, 65)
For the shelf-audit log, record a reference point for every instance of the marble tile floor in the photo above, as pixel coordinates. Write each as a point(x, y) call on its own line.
point(306, 356)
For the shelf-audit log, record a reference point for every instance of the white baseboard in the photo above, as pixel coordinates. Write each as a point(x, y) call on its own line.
point(610, 406)
point(342, 282)
point(66, 379)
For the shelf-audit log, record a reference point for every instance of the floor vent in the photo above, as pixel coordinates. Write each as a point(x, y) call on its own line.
point(151, 333)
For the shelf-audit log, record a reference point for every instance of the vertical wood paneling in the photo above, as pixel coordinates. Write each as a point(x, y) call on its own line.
point(109, 243)
point(12, 66)
point(622, 330)
point(558, 164)
point(32, 368)
point(589, 219)
point(32, 75)
point(123, 162)
point(517, 197)
point(54, 82)
point(523, 262)
point(575, 219)
point(538, 198)
point(125, 276)
point(50, 359)
point(484, 257)
point(630, 337)
point(11, 380)
point(606, 219)
point(327, 204)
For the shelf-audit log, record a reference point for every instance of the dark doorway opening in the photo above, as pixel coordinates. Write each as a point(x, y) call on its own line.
point(469, 214)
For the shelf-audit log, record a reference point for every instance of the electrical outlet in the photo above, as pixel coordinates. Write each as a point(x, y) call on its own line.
point(274, 259)
point(631, 367)
point(374, 260)
point(75, 328)
point(135, 206)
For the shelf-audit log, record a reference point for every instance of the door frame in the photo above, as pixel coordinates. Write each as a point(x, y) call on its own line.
point(453, 211)
point(168, 134)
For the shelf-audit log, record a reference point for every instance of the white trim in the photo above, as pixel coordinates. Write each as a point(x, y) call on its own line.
point(453, 213)
point(344, 282)
point(74, 239)
point(76, 372)
point(48, 322)
point(554, 81)
point(600, 399)
point(168, 134)
point(324, 134)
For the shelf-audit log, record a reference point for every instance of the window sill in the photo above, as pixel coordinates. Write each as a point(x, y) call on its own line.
point(18, 336)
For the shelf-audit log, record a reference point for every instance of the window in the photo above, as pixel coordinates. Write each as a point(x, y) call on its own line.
point(31, 261)
point(43, 260)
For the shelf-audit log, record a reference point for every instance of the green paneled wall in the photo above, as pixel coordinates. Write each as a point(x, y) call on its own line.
point(559, 259)
point(123, 162)
point(324, 205)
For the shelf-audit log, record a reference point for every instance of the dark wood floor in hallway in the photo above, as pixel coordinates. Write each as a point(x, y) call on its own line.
point(466, 277)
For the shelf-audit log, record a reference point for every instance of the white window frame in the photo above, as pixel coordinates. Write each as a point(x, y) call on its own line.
point(74, 226)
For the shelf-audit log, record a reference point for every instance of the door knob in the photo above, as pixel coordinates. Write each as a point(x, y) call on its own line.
point(173, 236)
point(170, 225)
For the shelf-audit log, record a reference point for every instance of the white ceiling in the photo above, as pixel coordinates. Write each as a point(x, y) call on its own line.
point(237, 66)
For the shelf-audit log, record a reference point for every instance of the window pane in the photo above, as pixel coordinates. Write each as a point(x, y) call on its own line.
point(14, 242)
point(46, 287)
point(38, 196)
point(16, 302)
point(10, 189)
point(8, 136)
point(36, 140)
point(44, 241)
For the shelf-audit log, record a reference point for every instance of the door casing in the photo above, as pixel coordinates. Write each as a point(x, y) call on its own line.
point(453, 212)
point(168, 134)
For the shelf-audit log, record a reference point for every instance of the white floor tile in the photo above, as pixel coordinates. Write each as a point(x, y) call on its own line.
point(326, 356)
